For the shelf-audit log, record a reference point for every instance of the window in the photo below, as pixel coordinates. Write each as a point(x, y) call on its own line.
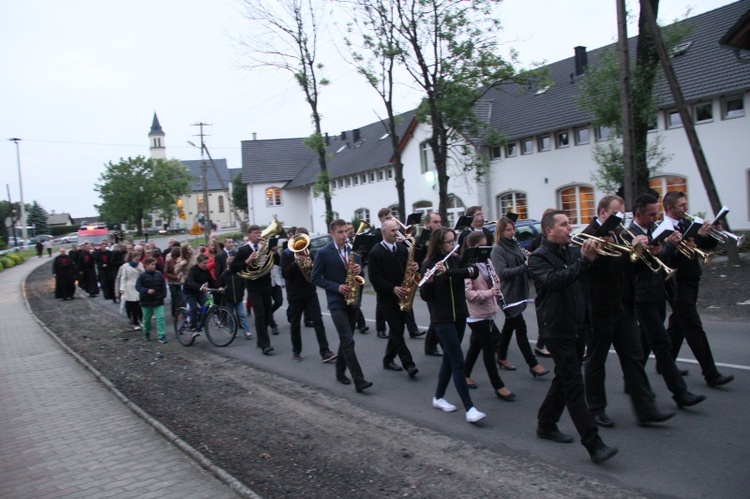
point(511, 149)
point(527, 146)
point(201, 209)
point(394, 211)
point(363, 177)
point(703, 112)
point(363, 214)
point(423, 207)
point(603, 133)
point(273, 196)
point(380, 175)
point(495, 152)
point(341, 183)
point(583, 135)
point(513, 201)
point(664, 184)
point(355, 180)
point(221, 204)
point(333, 185)
point(372, 176)
point(578, 203)
point(674, 120)
point(733, 107)
point(426, 159)
point(348, 181)
point(563, 140)
point(653, 124)
point(455, 208)
point(545, 143)
point(390, 173)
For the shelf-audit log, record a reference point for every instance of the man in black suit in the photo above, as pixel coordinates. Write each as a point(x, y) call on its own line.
point(258, 290)
point(477, 224)
point(220, 262)
point(685, 322)
point(330, 269)
point(387, 264)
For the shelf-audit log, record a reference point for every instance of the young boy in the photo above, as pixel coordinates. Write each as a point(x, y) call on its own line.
point(152, 290)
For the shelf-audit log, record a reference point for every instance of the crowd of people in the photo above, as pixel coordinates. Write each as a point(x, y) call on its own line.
point(589, 298)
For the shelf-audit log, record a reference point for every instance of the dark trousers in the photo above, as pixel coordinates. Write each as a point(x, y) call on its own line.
point(134, 312)
point(344, 320)
point(277, 298)
point(685, 324)
point(617, 328)
point(484, 338)
point(654, 337)
point(175, 293)
point(566, 390)
point(517, 324)
point(396, 345)
point(360, 321)
point(430, 340)
point(261, 300)
point(310, 306)
point(450, 335)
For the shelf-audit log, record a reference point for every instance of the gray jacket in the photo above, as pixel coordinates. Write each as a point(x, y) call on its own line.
point(510, 265)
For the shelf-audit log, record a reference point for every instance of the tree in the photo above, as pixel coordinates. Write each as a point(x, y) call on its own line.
point(239, 194)
point(136, 186)
point(37, 217)
point(450, 50)
point(285, 36)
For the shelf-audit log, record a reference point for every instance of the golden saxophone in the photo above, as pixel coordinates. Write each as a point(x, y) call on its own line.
point(353, 280)
point(411, 279)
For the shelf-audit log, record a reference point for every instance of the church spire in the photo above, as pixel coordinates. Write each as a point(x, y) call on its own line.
point(156, 140)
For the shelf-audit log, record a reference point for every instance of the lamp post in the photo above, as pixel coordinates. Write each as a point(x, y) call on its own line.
point(207, 225)
point(24, 235)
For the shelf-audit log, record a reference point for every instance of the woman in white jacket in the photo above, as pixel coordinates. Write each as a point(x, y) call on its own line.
point(128, 274)
point(481, 298)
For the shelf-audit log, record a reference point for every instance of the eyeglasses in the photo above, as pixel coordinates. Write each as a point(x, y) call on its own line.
point(452, 241)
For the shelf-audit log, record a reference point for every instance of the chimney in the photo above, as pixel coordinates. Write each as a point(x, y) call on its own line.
point(255, 136)
point(355, 132)
point(328, 140)
point(343, 135)
point(581, 59)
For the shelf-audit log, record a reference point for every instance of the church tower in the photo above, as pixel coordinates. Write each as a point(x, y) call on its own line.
point(156, 140)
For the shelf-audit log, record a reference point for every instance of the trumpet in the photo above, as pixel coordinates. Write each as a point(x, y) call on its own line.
point(721, 235)
point(692, 253)
point(607, 248)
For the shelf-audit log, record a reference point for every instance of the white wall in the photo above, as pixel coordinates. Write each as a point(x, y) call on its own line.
point(294, 208)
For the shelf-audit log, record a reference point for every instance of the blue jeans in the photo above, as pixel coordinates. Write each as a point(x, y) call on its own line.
point(239, 310)
point(195, 302)
point(450, 335)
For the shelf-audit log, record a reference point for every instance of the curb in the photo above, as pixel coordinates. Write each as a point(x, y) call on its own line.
point(235, 485)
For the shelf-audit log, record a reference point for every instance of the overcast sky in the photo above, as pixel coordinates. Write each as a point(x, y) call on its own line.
point(82, 79)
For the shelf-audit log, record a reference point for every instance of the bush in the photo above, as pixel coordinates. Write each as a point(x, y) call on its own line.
point(6, 262)
point(17, 259)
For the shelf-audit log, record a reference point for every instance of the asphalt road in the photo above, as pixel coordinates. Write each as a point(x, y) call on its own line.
point(701, 452)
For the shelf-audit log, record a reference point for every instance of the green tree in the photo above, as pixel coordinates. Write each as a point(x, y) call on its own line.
point(285, 36)
point(134, 187)
point(239, 194)
point(36, 216)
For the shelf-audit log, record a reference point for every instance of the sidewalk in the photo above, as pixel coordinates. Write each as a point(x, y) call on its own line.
point(63, 434)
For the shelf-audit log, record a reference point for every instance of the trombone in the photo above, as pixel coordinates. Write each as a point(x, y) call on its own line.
point(721, 235)
point(607, 248)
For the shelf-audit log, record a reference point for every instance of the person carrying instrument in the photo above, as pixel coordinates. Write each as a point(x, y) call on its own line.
point(334, 268)
point(432, 221)
point(302, 297)
point(258, 290)
point(388, 264)
point(685, 322)
point(442, 287)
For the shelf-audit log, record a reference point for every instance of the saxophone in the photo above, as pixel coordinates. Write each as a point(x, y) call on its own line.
point(411, 279)
point(353, 280)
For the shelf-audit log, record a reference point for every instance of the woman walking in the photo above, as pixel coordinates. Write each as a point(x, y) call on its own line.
point(129, 275)
point(444, 293)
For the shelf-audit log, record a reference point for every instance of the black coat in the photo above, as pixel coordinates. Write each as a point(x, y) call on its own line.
point(64, 270)
point(197, 277)
point(446, 293)
point(386, 271)
point(151, 280)
point(238, 264)
point(234, 287)
point(296, 284)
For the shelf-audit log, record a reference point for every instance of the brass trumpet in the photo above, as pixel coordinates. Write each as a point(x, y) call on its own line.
point(691, 253)
point(607, 248)
point(721, 235)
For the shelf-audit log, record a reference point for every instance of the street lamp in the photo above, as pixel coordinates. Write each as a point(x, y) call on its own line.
point(24, 235)
point(204, 175)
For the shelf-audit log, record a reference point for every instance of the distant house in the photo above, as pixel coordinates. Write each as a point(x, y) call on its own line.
point(59, 219)
point(93, 220)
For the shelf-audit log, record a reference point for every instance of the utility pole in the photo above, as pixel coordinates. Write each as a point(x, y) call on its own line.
point(207, 225)
point(13, 218)
point(626, 107)
point(24, 235)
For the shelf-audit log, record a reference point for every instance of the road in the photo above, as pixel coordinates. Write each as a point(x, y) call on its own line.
point(701, 452)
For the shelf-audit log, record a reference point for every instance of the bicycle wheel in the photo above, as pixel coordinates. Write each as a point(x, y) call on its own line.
point(221, 326)
point(181, 322)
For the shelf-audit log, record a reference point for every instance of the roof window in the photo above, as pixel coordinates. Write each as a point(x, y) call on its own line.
point(340, 149)
point(680, 48)
point(385, 136)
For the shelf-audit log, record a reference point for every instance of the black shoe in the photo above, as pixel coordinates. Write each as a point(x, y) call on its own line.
point(601, 419)
point(274, 330)
point(542, 352)
point(413, 371)
point(392, 366)
point(505, 365)
point(720, 380)
point(341, 378)
point(434, 352)
point(329, 356)
point(363, 330)
point(601, 453)
point(506, 398)
point(383, 334)
point(362, 386)
point(417, 333)
point(687, 399)
point(654, 417)
point(554, 435)
point(267, 350)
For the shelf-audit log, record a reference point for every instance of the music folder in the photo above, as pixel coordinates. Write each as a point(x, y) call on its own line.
point(692, 231)
point(721, 215)
point(474, 255)
point(413, 219)
point(662, 231)
point(513, 217)
point(463, 222)
point(363, 243)
point(603, 230)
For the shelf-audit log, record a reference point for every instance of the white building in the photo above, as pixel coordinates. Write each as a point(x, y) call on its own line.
point(547, 161)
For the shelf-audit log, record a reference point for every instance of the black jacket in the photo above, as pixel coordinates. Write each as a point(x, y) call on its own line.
point(238, 264)
point(689, 270)
point(234, 287)
point(446, 294)
point(296, 284)
point(650, 287)
point(197, 277)
point(151, 280)
point(559, 277)
point(386, 271)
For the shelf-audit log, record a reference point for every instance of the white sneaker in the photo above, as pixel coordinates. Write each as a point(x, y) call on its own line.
point(443, 405)
point(473, 415)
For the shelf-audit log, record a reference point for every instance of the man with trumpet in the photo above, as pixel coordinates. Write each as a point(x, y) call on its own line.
point(685, 323)
point(651, 304)
point(613, 323)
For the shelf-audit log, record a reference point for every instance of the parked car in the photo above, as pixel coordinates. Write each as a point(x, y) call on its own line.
point(66, 239)
point(41, 237)
point(526, 230)
point(317, 242)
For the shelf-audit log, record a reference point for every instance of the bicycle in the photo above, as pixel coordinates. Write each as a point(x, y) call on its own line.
point(218, 322)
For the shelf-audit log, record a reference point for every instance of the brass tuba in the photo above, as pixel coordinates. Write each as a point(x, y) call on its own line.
point(261, 265)
point(298, 245)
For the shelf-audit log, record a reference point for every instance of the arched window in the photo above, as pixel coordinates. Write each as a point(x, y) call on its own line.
point(423, 207)
point(273, 196)
point(577, 201)
point(363, 214)
point(664, 184)
point(200, 204)
point(514, 201)
point(455, 208)
point(394, 211)
point(221, 204)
